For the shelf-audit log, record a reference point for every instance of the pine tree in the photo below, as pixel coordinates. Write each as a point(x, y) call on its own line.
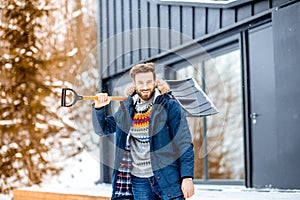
point(30, 128)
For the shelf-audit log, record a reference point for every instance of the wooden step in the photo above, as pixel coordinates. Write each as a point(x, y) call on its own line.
point(25, 194)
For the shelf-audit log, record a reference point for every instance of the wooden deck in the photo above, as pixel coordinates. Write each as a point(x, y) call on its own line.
point(25, 194)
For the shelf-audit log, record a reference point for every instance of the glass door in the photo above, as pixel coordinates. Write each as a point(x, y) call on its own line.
point(218, 139)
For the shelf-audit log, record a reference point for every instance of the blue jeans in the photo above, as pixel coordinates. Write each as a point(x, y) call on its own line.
point(148, 189)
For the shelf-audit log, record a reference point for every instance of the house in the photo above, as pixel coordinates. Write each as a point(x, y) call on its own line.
point(245, 56)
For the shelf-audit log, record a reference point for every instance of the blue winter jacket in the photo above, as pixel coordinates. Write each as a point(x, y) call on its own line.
point(171, 148)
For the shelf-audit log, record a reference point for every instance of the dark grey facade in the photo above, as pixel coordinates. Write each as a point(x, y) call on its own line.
point(175, 35)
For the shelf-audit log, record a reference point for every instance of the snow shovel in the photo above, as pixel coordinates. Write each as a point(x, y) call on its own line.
point(186, 92)
point(76, 97)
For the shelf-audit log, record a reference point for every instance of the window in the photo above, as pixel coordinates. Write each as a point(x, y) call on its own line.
point(218, 139)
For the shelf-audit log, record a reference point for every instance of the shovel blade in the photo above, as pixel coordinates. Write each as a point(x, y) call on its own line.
point(191, 97)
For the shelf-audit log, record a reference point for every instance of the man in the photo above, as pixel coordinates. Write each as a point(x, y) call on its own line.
point(154, 151)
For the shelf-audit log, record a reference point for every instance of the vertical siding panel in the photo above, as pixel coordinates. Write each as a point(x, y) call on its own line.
point(120, 17)
point(187, 24)
point(111, 33)
point(127, 29)
point(175, 26)
point(100, 39)
point(144, 30)
point(213, 20)
point(135, 33)
point(104, 41)
point(165, 28)
point(199, 23)
point(119, 35)
point(154, 39)
point(244, 12)
point(228, 17)
point(260, 6)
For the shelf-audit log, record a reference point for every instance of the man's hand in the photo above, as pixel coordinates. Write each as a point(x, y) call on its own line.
point(102, 100)
point(187, 187)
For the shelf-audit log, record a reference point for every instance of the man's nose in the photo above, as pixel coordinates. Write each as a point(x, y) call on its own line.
point(144, 86)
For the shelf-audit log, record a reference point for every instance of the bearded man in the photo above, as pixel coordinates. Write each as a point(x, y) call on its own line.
point(154, 151)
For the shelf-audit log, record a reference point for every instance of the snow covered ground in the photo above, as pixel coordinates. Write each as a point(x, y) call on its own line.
point(213, 192)
point(82, 172)
point(79, 175)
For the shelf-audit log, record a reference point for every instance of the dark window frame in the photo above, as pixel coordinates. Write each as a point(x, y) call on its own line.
point(212, 4)
point(215, 49)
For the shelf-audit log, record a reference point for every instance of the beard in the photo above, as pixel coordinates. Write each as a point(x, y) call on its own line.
point(145, 95)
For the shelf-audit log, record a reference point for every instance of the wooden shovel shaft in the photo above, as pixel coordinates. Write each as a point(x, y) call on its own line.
point(113, 98)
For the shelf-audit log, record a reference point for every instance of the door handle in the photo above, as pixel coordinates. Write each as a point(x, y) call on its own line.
point(253, 116)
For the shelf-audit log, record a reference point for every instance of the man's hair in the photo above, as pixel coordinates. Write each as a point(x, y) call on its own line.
point(143, 68)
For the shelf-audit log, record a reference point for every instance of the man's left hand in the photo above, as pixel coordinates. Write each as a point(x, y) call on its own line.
point(187, 187)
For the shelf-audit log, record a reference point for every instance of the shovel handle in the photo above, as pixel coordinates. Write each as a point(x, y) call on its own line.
point(113, 98)
point(76, 97)
point(64, 102)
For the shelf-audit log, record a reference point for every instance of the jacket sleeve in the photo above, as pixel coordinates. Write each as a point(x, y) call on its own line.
point(103, 125)
point(182, 139)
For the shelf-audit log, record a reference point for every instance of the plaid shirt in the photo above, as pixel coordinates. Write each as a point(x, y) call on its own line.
point(123, 184)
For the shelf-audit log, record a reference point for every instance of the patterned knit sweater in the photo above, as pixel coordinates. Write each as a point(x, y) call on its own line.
point(139, 142)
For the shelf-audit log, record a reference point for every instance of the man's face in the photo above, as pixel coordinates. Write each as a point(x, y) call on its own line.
point(145, 85)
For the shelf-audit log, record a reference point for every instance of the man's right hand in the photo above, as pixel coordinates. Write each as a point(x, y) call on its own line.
point(102, 100)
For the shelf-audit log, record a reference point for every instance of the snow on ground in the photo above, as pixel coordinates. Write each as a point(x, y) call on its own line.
point(79, 176)
point(5, 197)
point(82, 172)
point(217, 192)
